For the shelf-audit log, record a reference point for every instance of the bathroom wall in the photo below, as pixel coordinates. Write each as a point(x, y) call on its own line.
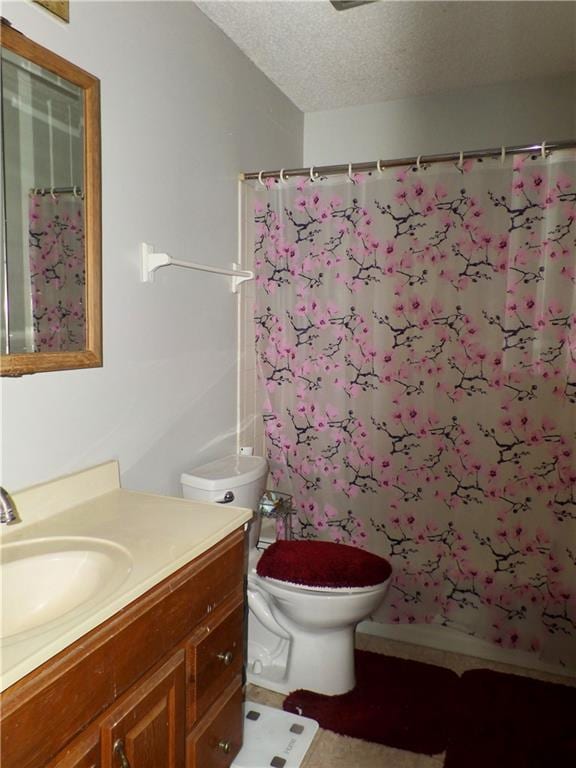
point(526, 111)
point(183, 112)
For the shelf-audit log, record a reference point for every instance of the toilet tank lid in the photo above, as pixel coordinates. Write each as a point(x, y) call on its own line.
point(226, 472)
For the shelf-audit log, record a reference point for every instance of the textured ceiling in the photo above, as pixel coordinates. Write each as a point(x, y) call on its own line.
point(325, 59)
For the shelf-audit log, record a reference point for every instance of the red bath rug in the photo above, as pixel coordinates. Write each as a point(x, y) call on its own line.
point(509, 721)
point(397, 702)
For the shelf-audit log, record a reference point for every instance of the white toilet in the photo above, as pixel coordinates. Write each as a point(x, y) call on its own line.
point(300, 635)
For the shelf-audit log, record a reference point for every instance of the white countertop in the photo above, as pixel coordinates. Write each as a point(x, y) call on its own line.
point(160, 534)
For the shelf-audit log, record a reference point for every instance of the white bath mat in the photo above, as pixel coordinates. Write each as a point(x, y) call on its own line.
point(274, 738)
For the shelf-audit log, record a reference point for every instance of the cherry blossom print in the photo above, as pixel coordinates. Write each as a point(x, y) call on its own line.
point(416, 347)
point(57, 271)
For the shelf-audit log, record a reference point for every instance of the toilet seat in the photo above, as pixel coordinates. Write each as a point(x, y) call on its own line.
point(291, 586)
point(322, 565)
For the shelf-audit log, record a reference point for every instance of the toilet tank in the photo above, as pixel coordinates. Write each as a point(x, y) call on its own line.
point(244, 477)
point(237, 480)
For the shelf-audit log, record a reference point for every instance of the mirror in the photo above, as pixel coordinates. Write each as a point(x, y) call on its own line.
point(50, 276)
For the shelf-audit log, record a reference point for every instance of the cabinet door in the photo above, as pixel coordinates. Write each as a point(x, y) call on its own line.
point(216, 741)
point(147, 728)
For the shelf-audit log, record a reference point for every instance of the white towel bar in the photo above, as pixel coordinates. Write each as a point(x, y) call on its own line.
point(151, 261)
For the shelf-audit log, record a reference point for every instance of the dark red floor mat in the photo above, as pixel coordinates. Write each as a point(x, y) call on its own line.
point(401, 703)
point(510, 721)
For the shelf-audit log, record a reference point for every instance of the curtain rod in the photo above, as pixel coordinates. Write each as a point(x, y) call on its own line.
point(76, 191)
point(330, 170)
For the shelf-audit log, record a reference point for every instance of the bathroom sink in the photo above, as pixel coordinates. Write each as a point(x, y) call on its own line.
point(44, 580)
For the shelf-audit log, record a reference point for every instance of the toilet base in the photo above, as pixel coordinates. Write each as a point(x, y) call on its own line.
point(272, 678)
point(291, 665)
point(300, 637)
point(266, 664)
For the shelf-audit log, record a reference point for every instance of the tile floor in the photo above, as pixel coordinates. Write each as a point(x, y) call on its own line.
point(329, 750)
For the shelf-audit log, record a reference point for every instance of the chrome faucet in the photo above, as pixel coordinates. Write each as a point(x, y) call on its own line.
point(8, 512)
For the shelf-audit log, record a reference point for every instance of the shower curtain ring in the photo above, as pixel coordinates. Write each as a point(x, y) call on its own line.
point(282, 178)
point(461, 160)
point(503, 154)
point(379, 167)
point(260, 178)
point(52, 193)
point(543, 150)
point(350, 172)
point(313, 176)
point(418, 166)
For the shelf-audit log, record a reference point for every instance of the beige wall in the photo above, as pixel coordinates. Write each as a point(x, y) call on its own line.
point(183, 112)
point(526, 111)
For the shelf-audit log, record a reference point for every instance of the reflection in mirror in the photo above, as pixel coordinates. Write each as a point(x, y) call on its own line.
point(43, 139)
point(51, 254)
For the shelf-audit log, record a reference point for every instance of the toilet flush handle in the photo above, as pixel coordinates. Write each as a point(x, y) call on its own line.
point(228, 497)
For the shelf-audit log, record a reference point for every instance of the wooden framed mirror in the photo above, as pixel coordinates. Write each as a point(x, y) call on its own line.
point(50, 276)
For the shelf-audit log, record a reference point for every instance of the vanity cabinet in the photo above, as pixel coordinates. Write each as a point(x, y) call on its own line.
point(83, 753)
point(205, 747)
point(148, 728)
point(159, 685)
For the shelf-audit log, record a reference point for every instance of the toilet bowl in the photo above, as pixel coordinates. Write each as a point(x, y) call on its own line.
point(302, 634)
point(312, 634)
point(300, 626)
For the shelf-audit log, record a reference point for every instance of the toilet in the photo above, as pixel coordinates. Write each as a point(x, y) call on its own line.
point(305, 598)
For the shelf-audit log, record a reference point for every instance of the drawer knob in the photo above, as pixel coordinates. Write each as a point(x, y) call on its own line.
point(121, 754)
point(224, 746)
point(226, 657)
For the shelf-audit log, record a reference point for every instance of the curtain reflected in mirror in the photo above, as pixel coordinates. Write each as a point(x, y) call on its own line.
point(51, 293)
point(43, 143)
point(57, 273)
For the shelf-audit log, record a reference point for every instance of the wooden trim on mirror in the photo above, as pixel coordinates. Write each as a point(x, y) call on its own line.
point(91, 356)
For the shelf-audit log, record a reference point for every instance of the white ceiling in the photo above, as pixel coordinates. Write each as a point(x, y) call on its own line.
point(325, 59)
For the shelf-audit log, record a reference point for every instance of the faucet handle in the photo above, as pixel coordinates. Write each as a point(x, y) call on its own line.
point(8, 512)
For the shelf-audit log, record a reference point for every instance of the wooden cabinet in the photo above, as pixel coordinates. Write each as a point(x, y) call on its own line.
point(154, 687)
point(219, 734)
point(148, 728)
point(215, 659)
point(84, 752)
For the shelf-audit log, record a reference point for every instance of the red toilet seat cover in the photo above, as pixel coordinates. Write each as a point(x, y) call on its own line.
point(322, 564)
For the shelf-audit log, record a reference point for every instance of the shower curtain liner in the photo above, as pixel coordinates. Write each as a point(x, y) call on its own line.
point(416, 343)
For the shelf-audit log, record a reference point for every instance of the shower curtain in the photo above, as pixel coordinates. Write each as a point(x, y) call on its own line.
point(57, 271)
point(416, 343)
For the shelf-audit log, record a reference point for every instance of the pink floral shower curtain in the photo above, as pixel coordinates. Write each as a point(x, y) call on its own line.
point(57, 271)
point(416, 342)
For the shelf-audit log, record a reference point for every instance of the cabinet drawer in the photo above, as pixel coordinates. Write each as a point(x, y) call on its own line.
point(215, 658)
point(84, 752)
point(218, 738)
